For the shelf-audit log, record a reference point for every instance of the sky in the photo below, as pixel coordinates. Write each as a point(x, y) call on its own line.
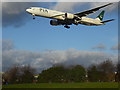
point(36, 42)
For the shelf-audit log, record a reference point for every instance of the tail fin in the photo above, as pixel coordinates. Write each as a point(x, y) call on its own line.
point(100, 16)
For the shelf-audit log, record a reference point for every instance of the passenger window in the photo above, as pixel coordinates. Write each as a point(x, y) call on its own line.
point(40, 9)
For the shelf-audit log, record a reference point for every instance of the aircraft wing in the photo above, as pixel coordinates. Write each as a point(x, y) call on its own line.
point(85, 13)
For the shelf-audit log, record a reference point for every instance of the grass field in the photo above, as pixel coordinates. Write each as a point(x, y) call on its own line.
point(65, 85)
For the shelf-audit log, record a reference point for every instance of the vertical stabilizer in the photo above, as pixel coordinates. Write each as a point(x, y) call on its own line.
point(100, 16)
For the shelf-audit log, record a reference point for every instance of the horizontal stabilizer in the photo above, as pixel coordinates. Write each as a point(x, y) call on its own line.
point(107, 20)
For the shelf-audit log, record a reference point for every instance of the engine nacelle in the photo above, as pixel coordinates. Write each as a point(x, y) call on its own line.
point(69, 16)
point(54, 22)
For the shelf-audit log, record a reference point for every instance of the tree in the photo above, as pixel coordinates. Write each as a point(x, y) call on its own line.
point(117, 73)
point(107, 69)
point(19, 74)
point(27, 74)
point(11, 75)
point(58, 74)
point(77, 74)
point(93, 74)
point(53, 74)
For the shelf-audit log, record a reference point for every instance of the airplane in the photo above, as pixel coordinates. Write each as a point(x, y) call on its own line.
point(66, 19)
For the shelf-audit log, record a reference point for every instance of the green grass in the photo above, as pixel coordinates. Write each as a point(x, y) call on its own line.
point(65, 85)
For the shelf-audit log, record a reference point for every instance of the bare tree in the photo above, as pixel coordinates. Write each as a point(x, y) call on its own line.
point(11, 75)
point(107, 69)
point(27, 74)
point(19, 74)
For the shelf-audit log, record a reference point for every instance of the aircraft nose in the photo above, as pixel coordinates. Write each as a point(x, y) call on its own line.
point(27, 10)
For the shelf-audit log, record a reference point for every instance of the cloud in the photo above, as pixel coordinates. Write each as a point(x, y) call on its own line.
point(70, 6)
point(14, 14)
point(46, 59)
point(108, 8)
point(116, 47)
point(66, 6)
point(7, 45)
point(99, 47)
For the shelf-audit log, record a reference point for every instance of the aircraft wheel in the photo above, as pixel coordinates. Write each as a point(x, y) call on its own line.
point(67, 27)
point(33, 17)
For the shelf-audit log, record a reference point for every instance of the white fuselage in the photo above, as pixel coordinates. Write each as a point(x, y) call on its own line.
point(36, 11)
point(90, 21)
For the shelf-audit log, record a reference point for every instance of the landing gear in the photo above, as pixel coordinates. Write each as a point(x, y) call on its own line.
point(33, 16)
point(66, 26)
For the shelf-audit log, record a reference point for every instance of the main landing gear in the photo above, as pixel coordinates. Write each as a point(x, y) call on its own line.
point(66, 26)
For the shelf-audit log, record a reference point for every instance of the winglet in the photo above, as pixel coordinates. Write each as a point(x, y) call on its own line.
point(107, 4)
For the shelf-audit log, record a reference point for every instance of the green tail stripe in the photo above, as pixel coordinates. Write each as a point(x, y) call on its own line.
point(101, 15)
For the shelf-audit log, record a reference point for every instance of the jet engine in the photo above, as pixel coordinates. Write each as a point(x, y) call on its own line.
point(69, 16)
point(54, 22)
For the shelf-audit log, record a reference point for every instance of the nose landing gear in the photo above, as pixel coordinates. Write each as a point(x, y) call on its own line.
point(33, 16)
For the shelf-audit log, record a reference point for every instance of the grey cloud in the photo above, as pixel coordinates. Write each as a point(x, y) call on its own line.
point(71, 6)
point(99, 47)
point(14, 14)
point(46, 59)
point(66, 6)
point(112, 7)
point(7, 45)
point(116, 47)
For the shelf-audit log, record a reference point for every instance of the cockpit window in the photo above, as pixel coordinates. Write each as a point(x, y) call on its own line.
point(31, 8)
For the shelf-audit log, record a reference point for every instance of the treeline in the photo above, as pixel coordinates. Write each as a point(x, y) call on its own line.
point(103, 72)
point(59, 74)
